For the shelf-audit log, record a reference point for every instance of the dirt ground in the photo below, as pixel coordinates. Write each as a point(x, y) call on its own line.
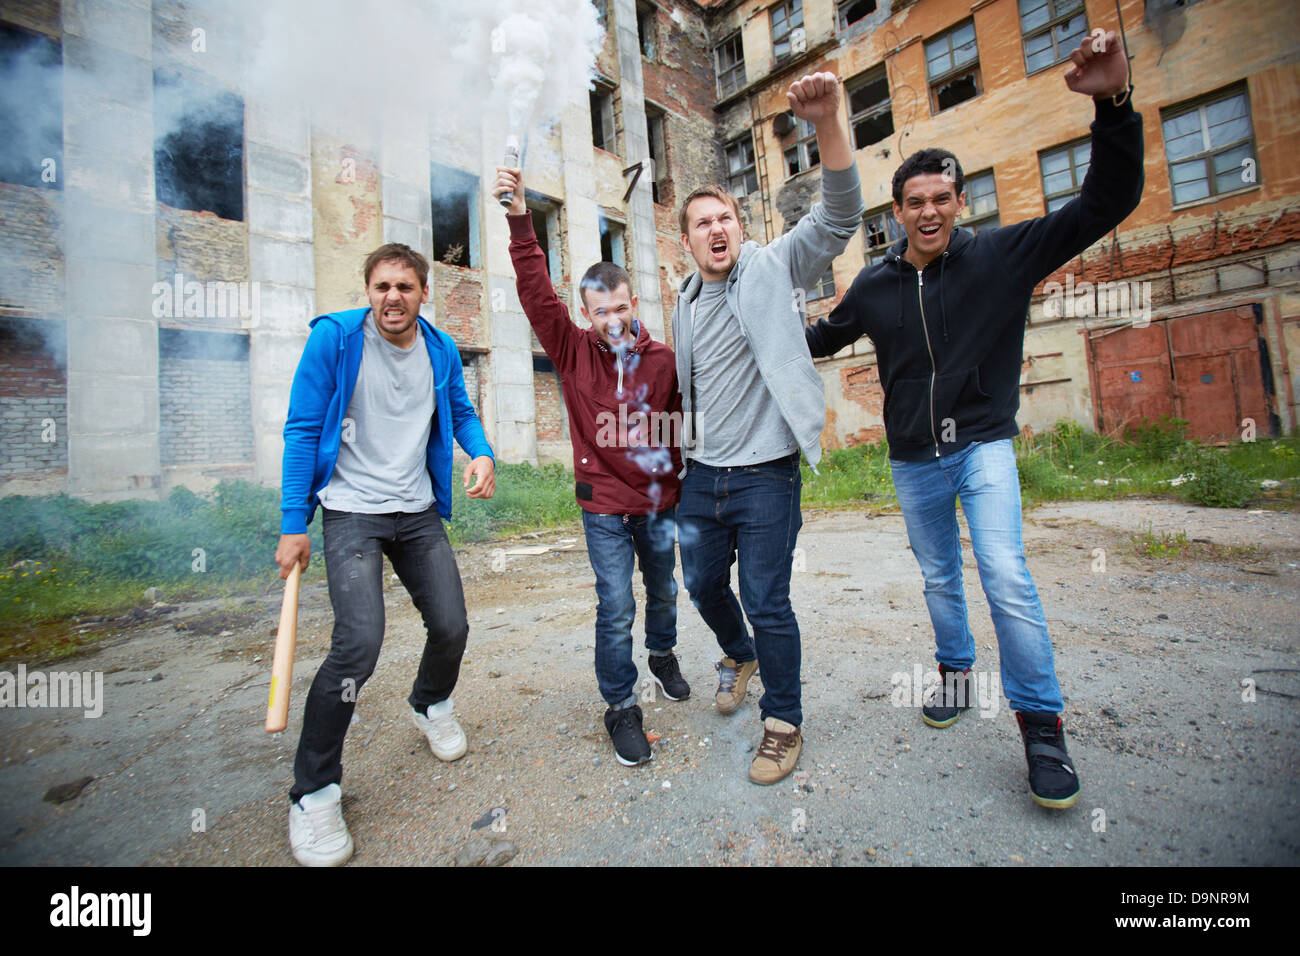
point(1181, 679)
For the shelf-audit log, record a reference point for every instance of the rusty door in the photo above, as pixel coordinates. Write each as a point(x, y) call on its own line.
point(1206, 368)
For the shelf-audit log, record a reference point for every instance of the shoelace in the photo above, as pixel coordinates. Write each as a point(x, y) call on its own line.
point(326, 822)
point(444, 728)
point(1049, 736)
point(726, 676)
point(775, 744)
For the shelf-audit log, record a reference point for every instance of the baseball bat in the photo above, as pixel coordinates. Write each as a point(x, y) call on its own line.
point(286, 639)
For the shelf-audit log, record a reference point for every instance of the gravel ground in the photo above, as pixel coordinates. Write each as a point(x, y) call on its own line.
point(1180, 764)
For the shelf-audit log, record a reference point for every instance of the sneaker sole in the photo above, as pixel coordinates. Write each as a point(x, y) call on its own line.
point(940, 724)
point(1060, 804)
point(664, 689)
point(338, 859)
point(631, 763)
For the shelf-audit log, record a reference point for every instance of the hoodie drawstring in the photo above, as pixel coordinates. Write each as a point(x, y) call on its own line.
point(943, 311)
point(618, 360)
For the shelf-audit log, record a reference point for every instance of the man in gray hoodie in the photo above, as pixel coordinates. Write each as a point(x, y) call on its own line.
point(754, 401)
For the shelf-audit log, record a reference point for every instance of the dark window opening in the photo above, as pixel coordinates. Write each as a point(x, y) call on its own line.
point(869, 110)
point(957, 90)
point(454, 197)
point(850, 13)
point(198, 146)
point(645, 29)
point(602, 119)
point(612, 247)
point(31, 111)
point(654, 120)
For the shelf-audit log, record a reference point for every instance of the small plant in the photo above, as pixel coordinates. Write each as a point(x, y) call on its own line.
point(1163, 545)
point(1217, 483)
point(1157, 440)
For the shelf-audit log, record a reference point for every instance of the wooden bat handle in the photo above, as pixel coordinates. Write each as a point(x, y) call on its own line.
point(286, 639)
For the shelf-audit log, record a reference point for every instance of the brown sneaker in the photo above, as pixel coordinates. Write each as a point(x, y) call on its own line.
point(778, 753)
point(733, 679)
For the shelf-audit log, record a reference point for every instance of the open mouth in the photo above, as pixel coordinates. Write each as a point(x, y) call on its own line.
point(930, 230)
point(718, 247)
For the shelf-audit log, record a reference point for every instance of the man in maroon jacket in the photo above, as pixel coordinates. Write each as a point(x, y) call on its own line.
point(620, 388)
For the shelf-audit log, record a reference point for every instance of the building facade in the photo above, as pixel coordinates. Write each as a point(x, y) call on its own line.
point(165, 236)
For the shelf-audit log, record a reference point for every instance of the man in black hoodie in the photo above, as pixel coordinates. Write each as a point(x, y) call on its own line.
point(951, 388)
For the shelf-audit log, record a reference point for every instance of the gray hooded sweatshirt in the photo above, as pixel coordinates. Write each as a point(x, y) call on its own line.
point(761, 295)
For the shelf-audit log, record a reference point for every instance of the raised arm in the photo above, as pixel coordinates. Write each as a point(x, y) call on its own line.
point(822, 235)
point(546, 313)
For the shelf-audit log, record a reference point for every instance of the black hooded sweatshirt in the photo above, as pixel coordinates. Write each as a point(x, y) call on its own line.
point(949, 340)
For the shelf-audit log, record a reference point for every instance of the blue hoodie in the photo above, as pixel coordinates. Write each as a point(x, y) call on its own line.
point(318, 402)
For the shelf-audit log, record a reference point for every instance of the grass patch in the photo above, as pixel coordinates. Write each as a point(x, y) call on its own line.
point(64, 558)
point(1163, 545)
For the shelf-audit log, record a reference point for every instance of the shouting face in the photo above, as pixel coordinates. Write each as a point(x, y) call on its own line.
point(395, 295)
point(712, 236)
point(605, 308)
point(929, 211)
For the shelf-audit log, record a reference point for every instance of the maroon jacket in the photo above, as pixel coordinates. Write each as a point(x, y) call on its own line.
point(617, 454)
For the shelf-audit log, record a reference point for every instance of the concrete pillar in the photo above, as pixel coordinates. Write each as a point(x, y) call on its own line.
point(281, 264)
point(507, 407)
point(109, 249)
point(643, 253)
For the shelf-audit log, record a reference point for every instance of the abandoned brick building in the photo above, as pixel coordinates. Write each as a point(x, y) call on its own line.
point(155, 289)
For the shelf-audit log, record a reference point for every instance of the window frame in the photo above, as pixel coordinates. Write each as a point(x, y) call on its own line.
point(986, 220)
point(1054, 20)
point(1199, 105)
point(893, 232)
point(841, 7)
point(725, 90)
point(603, 94)
point(789, 8)
point(739, 143)
point(953, 72)
point(1077, 177)
point(801, 149)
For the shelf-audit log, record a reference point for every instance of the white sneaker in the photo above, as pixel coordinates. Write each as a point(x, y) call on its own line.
point(446, 739)
point(317, 833)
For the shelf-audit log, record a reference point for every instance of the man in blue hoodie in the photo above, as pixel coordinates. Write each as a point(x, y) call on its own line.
point(377, 398)
point(951, 383)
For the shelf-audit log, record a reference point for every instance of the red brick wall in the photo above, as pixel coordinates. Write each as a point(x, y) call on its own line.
point(550, 406)
point(31, 265)
point(459, 303)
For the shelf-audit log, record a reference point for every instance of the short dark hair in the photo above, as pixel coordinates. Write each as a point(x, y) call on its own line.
point(716, 192)
point(398, 252)
point(604, 277)
point(927, 161)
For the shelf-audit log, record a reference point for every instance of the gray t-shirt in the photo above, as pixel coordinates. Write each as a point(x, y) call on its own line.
point(383, 464)
point(736, 419)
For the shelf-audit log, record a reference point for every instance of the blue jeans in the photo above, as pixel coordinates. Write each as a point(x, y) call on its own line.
point(748, 512)
point(612, 542)
point(983, 475)
point(355, 545)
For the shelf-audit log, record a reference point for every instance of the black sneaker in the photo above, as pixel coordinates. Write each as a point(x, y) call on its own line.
point(624, 726)
point(1052, 780)
point(664, 669)
point(954, 694)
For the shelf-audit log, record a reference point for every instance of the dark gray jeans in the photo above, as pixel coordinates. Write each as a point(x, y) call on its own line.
point(355, 544)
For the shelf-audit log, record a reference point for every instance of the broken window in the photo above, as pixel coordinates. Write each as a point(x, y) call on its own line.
point(602, 118)
point(880, 231)
point(655, 121)
point(611, 242)
point(787, 29)
point(825, 287)
point(981, 210)
point(645, 29)
point(546, 224)
point(1050, 29)
point(742, 175)
point(1063, 170)
point(198, 154)
point(804, 154)
point(729, 62)
point(453, 194)
point(869, 112)
point(952, 65)
point(850, 12)
point(1210, 146)
point(31, 112)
